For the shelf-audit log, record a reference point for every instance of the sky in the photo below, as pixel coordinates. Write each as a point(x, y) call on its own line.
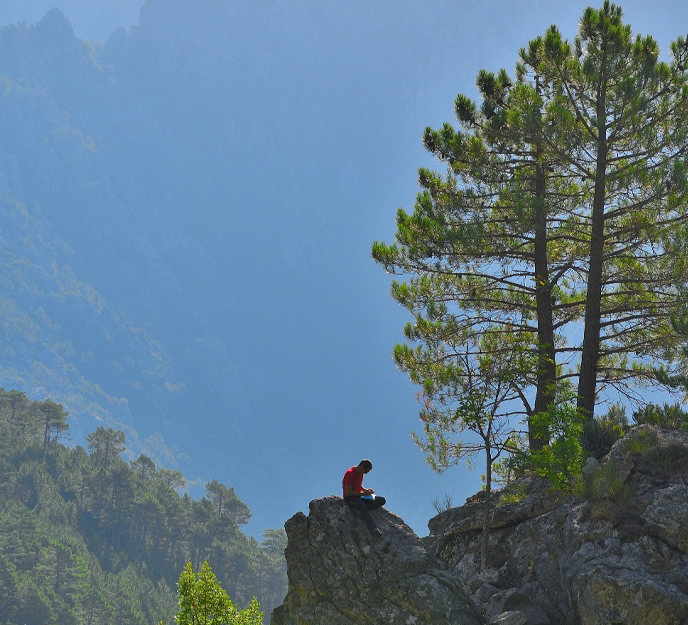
point(380, 430)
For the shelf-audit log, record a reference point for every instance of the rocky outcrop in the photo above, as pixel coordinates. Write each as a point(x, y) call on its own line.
point(618, 557)
point(339, 574)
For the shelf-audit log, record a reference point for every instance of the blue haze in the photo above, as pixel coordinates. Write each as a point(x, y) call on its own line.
point(208, 179)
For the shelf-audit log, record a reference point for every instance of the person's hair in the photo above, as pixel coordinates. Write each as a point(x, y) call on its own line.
point(366, 464)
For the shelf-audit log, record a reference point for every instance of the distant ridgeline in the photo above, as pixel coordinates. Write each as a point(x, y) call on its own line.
point(86, 537)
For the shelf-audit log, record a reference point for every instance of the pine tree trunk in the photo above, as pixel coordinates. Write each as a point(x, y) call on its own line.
point(546, 373)
point(590, 353)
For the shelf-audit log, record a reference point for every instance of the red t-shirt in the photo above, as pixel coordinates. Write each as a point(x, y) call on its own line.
point(353, 479)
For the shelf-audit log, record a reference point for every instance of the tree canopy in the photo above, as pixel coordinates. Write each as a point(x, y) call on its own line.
point(87, 537)
point(203, 601)
point(561, 215)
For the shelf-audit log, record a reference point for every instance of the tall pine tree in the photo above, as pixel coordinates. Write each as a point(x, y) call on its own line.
point(559, 209)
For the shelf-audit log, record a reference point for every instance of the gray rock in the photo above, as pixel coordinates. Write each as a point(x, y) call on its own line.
point(341, 575)
point(510, 618)
point(621, 560)
point(515, 601)
point(667, 513)
point(590, 466)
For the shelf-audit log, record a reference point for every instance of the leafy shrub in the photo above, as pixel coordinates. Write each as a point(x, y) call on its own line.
point(561, 459)
point(513, 493)
point(607, 485)
point(600, 434)
point(203, 601)
point(667, 416)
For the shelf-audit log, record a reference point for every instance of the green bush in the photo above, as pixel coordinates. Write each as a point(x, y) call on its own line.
point(561, 459)
point(202, 601)
point(600, 434)
point(667, 416)
point(606, 485)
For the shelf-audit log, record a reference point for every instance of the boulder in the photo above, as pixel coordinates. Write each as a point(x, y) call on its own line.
point(340, 574)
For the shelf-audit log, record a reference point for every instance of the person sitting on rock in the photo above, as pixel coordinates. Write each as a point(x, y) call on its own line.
point(360, 499)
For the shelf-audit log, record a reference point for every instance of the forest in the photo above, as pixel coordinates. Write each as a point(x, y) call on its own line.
point(87, 537)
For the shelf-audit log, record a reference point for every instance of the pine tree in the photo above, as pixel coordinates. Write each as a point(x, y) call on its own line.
point(617, 114)
point(563, 205)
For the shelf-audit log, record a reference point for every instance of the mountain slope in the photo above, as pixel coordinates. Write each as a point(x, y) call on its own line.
point(213, 178)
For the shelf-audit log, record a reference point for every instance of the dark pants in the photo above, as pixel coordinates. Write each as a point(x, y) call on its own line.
point(364, 506)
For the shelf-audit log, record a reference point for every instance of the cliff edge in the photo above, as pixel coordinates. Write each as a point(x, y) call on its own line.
point(341, 575)
point(616, 555)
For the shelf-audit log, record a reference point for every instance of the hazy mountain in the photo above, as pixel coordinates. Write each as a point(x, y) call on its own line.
point(188, 206)
point(91, 19)
point(210, 178)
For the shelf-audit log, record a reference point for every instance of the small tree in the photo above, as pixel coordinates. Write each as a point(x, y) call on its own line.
point(54, 421)
point(144, 468)
point(226, 504)
point(474, 390)
point(203, 601)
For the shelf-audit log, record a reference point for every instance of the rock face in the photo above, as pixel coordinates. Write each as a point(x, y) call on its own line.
point(620, 557)
point(341, 575)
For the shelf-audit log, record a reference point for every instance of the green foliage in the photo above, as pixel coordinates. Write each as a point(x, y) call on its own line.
point(678, 378)
point(513, 493)
point(105, 445)
point(203, 601)
point(607, 485)
point(561, 459)
point(667, 416)
point(599, 434)
point(562, 203)
point(89, 538)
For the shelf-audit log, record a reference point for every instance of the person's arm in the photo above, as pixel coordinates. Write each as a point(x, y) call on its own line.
point(350, 492)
